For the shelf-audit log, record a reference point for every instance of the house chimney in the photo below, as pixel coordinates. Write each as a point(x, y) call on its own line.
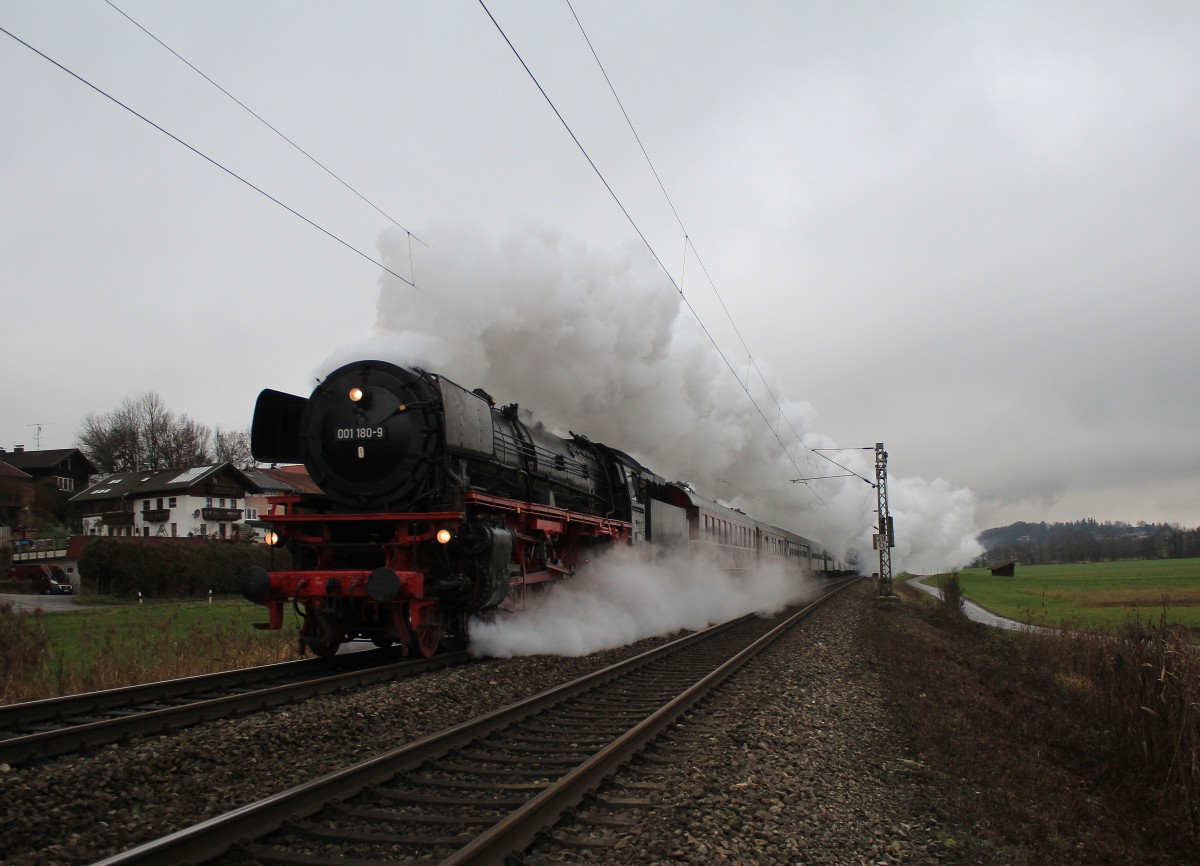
point(18, 449)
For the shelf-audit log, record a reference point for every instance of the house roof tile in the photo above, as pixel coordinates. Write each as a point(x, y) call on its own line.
point(49, 458)
point(122, 484)
point(7, 470)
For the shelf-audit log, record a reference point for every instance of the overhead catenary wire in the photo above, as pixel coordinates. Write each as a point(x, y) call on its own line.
point(688, 243)
point(207, 158)
point(637, 229)
point(266, 123)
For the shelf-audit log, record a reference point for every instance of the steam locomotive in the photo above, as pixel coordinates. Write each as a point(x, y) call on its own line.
point(437, 506)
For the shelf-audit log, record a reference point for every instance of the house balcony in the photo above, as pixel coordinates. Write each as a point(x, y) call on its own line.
point(222, 515)
point(117, 518)
point(156, 515)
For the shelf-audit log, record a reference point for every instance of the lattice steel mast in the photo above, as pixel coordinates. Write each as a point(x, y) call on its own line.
point(885, 539)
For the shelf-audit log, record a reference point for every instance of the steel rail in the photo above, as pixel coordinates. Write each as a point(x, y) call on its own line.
point(72, 738)
point(215, 836)
point(523, 827)
point(17, 715)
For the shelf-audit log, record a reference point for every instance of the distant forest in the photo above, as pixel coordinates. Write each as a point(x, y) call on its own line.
point(1086, 540)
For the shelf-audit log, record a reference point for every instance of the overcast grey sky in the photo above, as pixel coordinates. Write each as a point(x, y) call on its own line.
point(967, 230)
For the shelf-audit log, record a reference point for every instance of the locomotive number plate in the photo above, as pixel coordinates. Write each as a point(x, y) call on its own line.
point(360, 434)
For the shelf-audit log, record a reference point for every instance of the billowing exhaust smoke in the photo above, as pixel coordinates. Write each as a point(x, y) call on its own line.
point(622, 597)
point(598, 342)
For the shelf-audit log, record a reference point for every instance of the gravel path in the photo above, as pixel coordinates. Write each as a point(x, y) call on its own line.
point(795, 761)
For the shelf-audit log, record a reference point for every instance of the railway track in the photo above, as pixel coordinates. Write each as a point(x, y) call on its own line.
point(58, 726)
point(484, 789)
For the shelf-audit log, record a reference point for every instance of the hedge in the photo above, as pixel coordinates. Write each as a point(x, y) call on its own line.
point(170, 568)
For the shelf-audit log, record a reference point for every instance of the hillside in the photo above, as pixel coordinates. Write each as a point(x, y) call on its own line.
point(1090, 540)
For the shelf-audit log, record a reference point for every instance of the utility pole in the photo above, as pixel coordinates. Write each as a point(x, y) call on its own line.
point(885, 538)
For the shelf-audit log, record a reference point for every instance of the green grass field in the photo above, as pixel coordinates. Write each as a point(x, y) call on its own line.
point(148, 630)
point(1097, 593)
point(107, 646)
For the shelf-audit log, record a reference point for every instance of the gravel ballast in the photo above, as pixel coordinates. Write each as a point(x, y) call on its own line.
point(796, 760)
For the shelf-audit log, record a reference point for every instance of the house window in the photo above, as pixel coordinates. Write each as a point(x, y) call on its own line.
point(146, 505)
point(252, 514)
point(204, 527)
point(171, 502)
point(174, 530)
point(208, 502)
point(160, 505)
point(221, 502)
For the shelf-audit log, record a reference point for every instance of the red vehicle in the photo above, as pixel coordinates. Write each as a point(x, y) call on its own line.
point(46, 579)
point(437, 506)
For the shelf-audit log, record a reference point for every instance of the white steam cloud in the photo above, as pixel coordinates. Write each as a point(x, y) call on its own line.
point(599, 343)
point(622, 597)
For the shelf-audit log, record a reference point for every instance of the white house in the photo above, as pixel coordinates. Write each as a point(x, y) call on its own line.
point(196, 502)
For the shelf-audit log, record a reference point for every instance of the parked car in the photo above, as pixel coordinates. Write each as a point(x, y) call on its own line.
point(46, 579)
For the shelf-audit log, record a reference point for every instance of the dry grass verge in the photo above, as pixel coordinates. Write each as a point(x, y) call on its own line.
point(1044, 749)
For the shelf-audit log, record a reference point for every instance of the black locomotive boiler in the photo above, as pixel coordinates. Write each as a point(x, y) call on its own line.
point(437, 506)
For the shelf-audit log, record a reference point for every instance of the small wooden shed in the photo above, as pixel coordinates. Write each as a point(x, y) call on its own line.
point(1004, 569)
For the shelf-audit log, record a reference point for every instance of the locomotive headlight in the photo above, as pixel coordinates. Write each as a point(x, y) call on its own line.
point(356, 395)
point(272, 538)
point(444, 536)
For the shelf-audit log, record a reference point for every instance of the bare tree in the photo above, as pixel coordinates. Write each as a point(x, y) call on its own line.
point(234, 446)
point(187, 444)
point(142, 433)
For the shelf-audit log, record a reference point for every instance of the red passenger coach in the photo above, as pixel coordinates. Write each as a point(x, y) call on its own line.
point(731, 539)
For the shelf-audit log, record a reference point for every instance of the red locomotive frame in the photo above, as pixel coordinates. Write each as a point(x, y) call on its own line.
point(548, 545)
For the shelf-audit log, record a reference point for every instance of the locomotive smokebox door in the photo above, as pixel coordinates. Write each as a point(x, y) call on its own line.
point(372, 435)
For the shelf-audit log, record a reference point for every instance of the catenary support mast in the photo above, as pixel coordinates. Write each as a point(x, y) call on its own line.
point(885, 539)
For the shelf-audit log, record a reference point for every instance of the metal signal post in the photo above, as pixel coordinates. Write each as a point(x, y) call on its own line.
point(885, 539)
